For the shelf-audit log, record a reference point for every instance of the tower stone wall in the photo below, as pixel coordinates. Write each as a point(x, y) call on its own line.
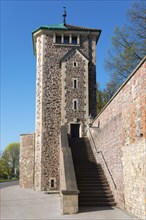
point(79, 93)
point(58, 65)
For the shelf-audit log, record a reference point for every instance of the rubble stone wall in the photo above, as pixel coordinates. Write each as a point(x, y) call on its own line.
point(80, 93)
point(119, 131)
point(48, 106)
point(27, 160)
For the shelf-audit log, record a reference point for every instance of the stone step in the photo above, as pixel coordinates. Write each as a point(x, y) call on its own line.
point(85, 170)
point(95, 199)
point(94, 181)
point(89, 171)
point(85, 203)
point(80, 185)
point(95, 195)
point(91, 181)
point(97, 175)
point(96, 178)
point(96, 192)
point(97, 188)
point(87, 166)
point(89, 177)
point(79, 171)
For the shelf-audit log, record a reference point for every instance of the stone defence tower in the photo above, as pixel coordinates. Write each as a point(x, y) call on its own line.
point(65, 94)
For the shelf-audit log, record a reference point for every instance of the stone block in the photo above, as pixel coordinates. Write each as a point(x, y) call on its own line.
point(69, 204)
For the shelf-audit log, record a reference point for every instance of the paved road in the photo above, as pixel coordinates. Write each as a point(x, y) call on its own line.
point(23, 204)
point(7, 184)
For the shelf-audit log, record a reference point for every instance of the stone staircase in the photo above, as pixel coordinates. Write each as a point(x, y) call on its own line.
point(91, 181)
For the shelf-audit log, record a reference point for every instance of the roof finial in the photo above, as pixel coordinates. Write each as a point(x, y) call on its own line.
point(64, 15)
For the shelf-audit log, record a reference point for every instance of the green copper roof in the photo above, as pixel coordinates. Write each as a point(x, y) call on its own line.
point(67, 27)
point(52, 27)
point(55, 26)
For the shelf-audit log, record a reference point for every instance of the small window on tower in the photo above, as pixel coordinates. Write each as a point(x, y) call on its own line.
point(75, 63)
point(75, 83)
point(52, 183)
point(75, 104)
point(66, 40)
point(58, 39)
point(74, 40)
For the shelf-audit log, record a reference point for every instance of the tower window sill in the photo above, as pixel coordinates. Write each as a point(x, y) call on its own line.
point(61, 44)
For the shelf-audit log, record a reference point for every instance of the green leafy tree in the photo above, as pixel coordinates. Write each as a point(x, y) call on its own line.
point(10, 160)
point(128, 45)
point(109, 90)
point(4, 169)
point(101, 98)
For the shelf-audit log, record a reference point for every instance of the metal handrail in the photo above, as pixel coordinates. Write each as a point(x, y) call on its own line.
point(103, 159)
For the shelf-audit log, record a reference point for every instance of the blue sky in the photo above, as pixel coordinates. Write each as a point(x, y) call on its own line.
point(18, 67)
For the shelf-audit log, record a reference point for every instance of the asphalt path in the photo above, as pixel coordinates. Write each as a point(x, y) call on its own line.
point(9, 183)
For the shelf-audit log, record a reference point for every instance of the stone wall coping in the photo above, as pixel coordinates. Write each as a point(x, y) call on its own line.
point(27, 134)
point(70, 192)
point(70, 178)
point(120, 88)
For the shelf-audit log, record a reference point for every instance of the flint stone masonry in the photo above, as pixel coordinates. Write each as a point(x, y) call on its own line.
point(55, 95)
point(80, 72)
point(119, 131)
point(49, 90)
point(27, 160)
